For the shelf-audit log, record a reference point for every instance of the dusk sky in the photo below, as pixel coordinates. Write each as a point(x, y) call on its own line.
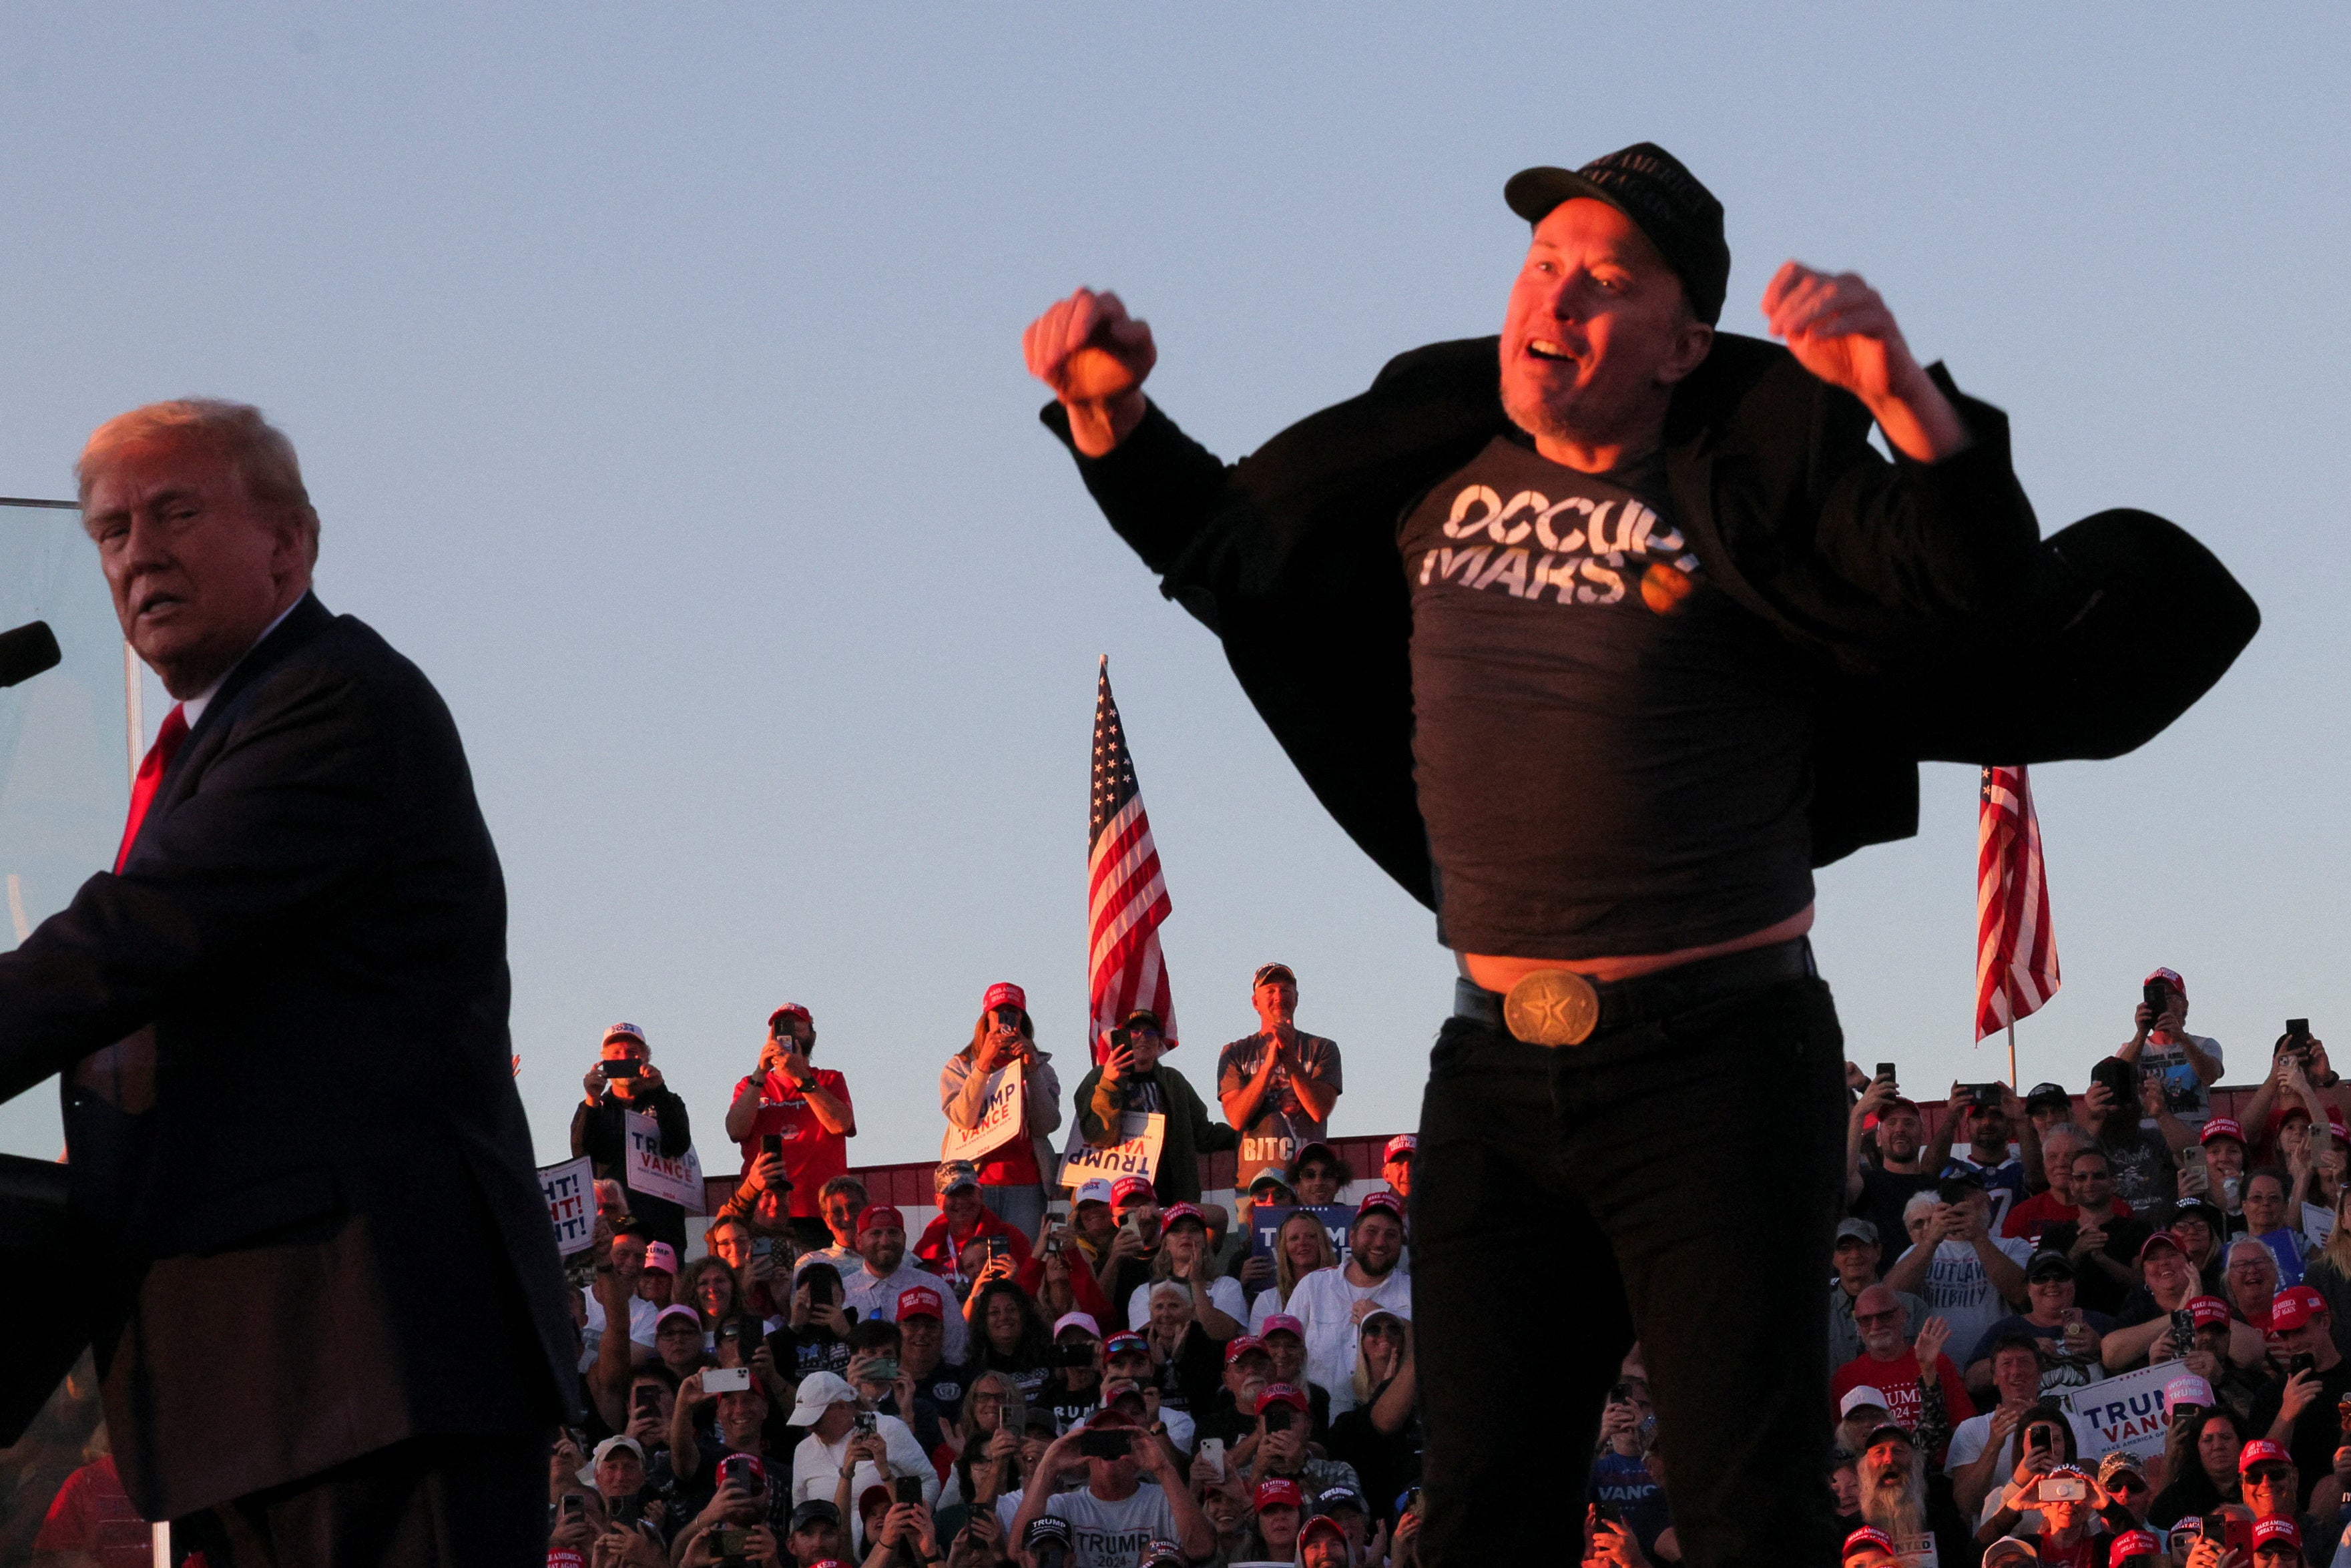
point(656, 373)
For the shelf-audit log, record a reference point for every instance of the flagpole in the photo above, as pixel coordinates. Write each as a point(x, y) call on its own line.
point(2012, 1057)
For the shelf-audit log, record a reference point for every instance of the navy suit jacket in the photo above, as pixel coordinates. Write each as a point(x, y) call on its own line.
point(302, 1179)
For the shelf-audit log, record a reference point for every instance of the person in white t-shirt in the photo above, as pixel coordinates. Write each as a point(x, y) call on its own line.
point(826, 1406)
point(1185, 1257)
point(1968, 1277)
point(1113, 1516)
point(2187, 1064)
point(1328, 1303)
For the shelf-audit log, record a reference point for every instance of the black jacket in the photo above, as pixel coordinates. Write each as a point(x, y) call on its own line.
point(1943, 628)
point(325, 1234)
point(598, 1132)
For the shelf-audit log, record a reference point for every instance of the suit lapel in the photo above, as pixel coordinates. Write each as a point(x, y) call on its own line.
point(303, 624)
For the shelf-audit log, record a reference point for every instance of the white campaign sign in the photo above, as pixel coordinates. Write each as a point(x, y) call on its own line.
point(1136, 1152)
point(2125, 1413)
point(650, 1171)
point(1000, 1119)
point(570, 1189)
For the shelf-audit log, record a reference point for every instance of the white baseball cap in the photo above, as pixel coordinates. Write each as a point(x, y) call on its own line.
point(1097, 1190)
point(588, 1471)
point(1865, 1395)
point(820, 1392)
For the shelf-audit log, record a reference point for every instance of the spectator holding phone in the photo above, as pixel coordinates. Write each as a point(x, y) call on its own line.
point(2158, 1320)
point(624, 1082)
point(1300, 1247)
point(1986, 1115)
point(2018, 1434)
point(2066, 1336)
point(2185, 1065)
point(2067, 1499)
point(1011, 1174)
point(1878, 1189)
point(962, 1220)
point(2223, 1177)
point(1620, 1485)
point(1969, 1278)
point(2140, 1136)
point(905, 1536)
point(814, 1336)
point(987, 1443)
point(799, 1113)
point(2302, 1410)
point(846, 1448)
point(1074, 1390)
point(1113, 1517)
point(738, 1413)
point(1132, 1079)
point(1127, 1261)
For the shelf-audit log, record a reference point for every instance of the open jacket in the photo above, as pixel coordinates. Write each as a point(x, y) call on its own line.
point(1941, 626)
point(1189, 1133)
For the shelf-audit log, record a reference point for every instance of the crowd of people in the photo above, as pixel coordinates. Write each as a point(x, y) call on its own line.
point(1150, 1373)
point(1120, 1379)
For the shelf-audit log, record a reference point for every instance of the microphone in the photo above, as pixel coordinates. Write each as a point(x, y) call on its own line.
point(27, 651)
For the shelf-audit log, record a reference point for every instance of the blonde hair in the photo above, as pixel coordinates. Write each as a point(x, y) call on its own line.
point(263, 459)
point(1285, 1276)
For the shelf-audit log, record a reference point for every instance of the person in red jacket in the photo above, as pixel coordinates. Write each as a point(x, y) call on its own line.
point(962, 1220)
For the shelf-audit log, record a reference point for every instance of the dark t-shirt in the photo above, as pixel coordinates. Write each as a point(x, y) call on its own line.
point(2317, 1431)
point(1624, 1482)
point(943, 1386)
point(1883, 1194)
point(2144, 1174)
point(799, 1351)
point(1611, 754)
point(2095, 1289)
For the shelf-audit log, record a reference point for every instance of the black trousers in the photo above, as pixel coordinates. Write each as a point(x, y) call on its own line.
point(430, 1502)
point(1676, 1182)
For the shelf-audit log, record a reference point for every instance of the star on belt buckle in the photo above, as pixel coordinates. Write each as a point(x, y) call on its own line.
point(1552, 1007)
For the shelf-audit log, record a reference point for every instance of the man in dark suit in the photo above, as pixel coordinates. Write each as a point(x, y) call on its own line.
point(1599, 638)
point(329, 1315)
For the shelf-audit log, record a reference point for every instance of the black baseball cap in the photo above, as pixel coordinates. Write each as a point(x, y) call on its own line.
point(815, 1511)
point(2047, 1094)
point(1045, 1527)
point(1665, 200)
point(2049, 1265)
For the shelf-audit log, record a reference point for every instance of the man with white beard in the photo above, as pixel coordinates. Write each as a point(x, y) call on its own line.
point(1926, 1529)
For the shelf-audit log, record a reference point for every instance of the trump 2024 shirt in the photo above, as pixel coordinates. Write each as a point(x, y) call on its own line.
point(1612, 755)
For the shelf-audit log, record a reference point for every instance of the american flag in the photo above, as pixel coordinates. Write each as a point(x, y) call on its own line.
point(1123, 884)
point(2016, 952)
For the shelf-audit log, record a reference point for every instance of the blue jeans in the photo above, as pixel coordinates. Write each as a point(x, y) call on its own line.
point(1674, 1181)
point(1021, 1207)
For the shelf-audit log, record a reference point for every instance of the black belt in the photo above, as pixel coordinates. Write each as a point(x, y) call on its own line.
point(1641, 999)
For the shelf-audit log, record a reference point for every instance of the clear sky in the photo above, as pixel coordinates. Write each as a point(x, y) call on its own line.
point(655, 370)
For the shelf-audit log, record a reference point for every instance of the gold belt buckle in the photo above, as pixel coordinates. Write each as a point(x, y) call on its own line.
point(1552, 1007)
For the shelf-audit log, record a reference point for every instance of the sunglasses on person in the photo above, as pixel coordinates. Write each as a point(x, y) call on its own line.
point(1890, 1315)
point(2124, 1481)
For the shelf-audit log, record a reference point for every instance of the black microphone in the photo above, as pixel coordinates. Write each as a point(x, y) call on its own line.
point(27, 651)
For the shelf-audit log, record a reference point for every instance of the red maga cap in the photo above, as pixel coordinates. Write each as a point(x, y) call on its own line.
point(790, 1010)
point(879, 1217)
point(1004, 994)
point(2170, 978)
point(1402, 1143)
point(2295, 1307)
point(2277, 1528)
point(2261, 1451)
point(2132, 1543)
point(1175, 1211)
point(1280, 1322)
point(1240, 1344)
point(1279, 1492)
point(2161, 1238)
point(2208, 1312)
point(2222, 1127)
point(1283, 1394)
point(919, 1301)
point(1126, 1189)
point(1867, 1535)
point(1383, 1202)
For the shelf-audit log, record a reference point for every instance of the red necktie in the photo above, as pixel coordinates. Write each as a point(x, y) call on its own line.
point(152, 768)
